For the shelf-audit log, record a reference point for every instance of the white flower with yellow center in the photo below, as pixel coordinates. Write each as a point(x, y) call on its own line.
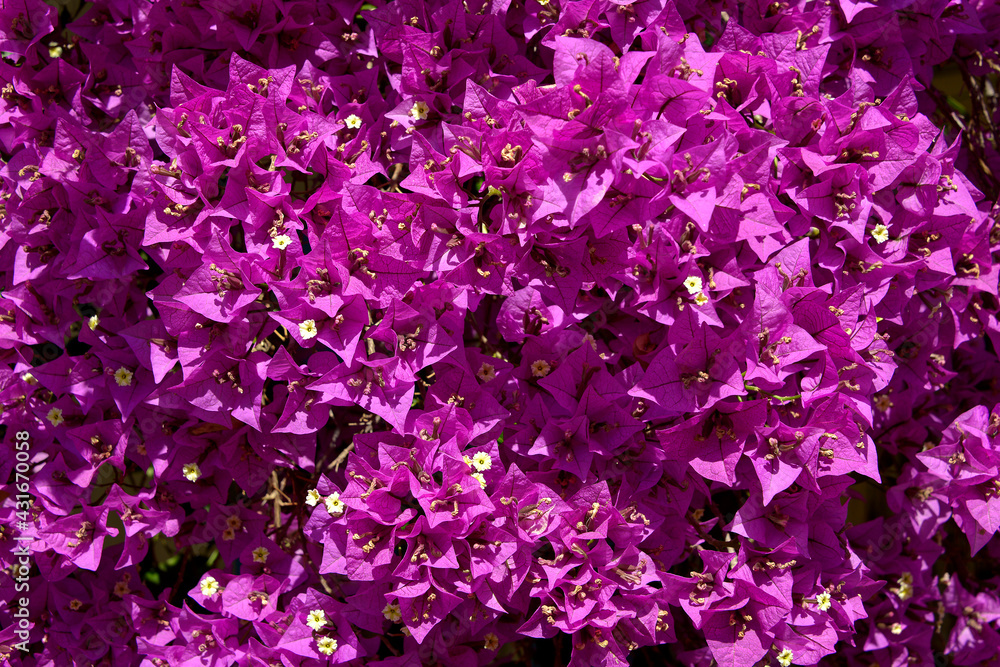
point(896, 628)
point(313, 497)
point(905, 589)
point(308, 329)
point(392, 612)
point(785, 657)
point(693, 284)
point(482, 461)
point(209, 586)
point(334, 505)
point(479, 478)
point(353, 121)
point(123, 377)
point(260, 554)
point(823, 601)
point(486, 372)
point(191, 471)
point(880, 233)
point(55, 416)
point(540, 368)
point(281, 241)
point(420, 110)
point(316, 619)
point(326, 645)
point(701, 299)
point(93, 322)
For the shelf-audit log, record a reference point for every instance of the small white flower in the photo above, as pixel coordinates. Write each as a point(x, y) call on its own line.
point(479, 478)
point(334, 505)
point(785, 658)
point(93, 322)
point(482, 461)
point(693, 284)
point(192, 472)
point(486, 372)
point(260, 554)
point(701, 299)
point(353, 121)
point(281, 241)
point(540, 368)
point(905, 586)
point(880, 233)
point(326, 645)
point(313, 497)
point(209, 586)
point(419, 110)
point(123, 377)
point(308, 329)
point(896, 629)
point(55, 416)
point(823, 601)
point(316, 619)
point(392, 612)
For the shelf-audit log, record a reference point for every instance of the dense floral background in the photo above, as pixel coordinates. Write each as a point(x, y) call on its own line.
point(529, 332)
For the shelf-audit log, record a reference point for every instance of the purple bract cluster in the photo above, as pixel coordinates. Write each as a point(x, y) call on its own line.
point(458, 332)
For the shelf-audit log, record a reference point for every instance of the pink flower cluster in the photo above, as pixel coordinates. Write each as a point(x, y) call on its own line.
point(501, 332)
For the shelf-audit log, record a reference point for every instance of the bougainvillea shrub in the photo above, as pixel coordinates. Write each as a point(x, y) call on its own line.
point(529, 332)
